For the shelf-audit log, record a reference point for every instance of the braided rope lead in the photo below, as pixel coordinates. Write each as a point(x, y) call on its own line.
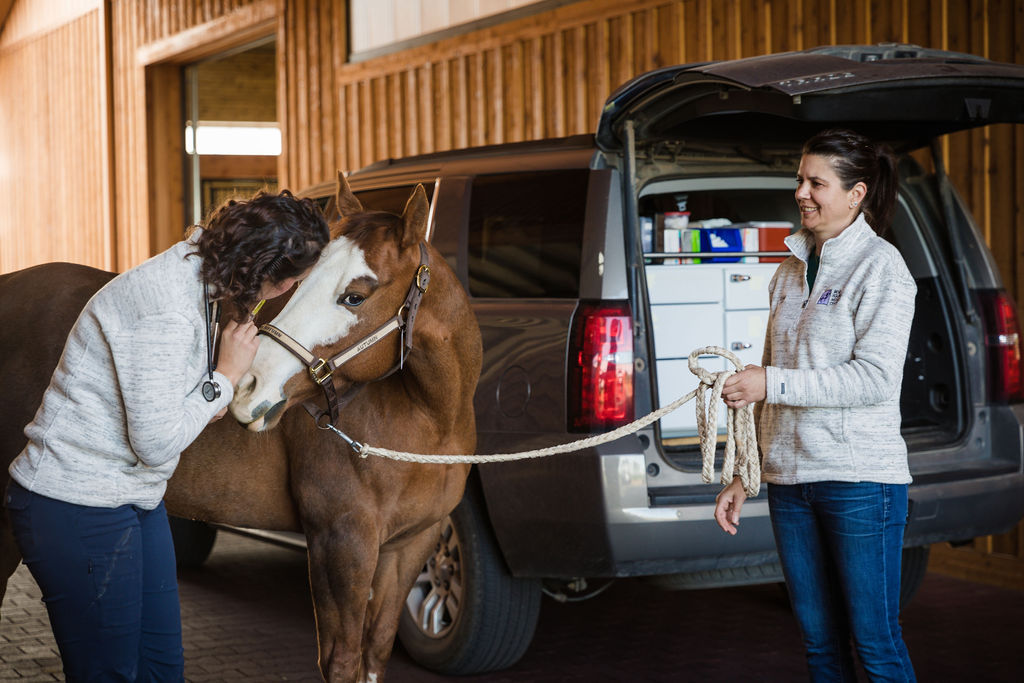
point(741, 458)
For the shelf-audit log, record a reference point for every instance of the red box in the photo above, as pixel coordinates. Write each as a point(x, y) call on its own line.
point(770, 237)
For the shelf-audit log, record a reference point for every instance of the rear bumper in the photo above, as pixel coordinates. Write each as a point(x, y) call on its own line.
point(962, 510)
point(590, 514)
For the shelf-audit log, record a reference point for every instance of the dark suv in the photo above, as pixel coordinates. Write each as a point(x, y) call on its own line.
point(592, 275)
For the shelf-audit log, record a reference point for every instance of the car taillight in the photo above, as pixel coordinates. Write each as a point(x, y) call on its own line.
point(1002, 346)
point(600, 373)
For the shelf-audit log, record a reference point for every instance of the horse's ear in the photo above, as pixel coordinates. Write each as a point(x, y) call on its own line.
point(415, 217)
point(347, 202)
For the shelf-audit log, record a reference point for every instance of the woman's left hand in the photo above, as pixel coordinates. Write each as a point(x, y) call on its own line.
point(728, 505)
point(746, 386)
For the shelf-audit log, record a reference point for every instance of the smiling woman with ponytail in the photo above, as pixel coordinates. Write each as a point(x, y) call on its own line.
point(829, 426)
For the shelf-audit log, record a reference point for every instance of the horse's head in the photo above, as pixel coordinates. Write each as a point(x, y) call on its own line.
point(358, 285)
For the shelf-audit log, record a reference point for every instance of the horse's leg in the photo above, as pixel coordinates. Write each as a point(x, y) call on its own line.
point(397, 569)
point(342, 559)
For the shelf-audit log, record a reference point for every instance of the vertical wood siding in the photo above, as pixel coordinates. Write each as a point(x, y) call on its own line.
point(54, 158)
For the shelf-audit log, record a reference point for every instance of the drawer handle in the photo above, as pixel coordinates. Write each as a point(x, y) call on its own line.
point(739, 278)
point(740, 346)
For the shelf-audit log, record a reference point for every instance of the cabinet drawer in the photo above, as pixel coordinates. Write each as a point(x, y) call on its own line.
point(675, 380)
point(684, 284)
point(681, 328)
point(744, 334)
point(746, 285)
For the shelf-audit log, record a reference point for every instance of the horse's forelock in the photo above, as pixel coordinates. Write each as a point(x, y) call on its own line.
point(374, 232)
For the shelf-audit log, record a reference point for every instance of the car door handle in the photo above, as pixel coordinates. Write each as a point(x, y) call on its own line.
point(740, 346)
point(737, 277)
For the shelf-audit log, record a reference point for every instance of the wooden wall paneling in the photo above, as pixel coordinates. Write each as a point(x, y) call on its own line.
point(339, 48)
point(378, 118)
point(315, 117)
point(576, 58)
point(641, 43)
point(513, 78)
point(620, 49)
point(408, 84)
point(442, 96)
point(536, 101)
point(285, 93)
point(755, 29)
point(394, 120)
point(672, 35)
point(557, 123)
point(300, 85)
point(166, 186)
point(55, 172)
point(783, 26)
point(719, 47)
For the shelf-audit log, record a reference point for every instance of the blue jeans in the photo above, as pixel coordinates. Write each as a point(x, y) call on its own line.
point(840, 544)
point(110, 586)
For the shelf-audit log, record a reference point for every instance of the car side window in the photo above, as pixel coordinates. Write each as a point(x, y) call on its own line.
point(526, 234)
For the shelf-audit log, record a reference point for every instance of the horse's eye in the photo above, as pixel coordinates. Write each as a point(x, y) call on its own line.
point(351, 299)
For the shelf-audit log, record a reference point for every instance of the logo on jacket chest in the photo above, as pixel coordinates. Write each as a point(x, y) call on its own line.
point(830, 297)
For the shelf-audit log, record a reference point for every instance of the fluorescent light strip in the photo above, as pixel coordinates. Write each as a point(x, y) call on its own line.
point(230, 137)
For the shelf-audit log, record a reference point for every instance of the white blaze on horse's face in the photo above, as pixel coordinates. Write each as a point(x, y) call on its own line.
point(313, 317)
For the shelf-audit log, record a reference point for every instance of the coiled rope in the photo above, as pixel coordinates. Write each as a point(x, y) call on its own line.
point(741, 457)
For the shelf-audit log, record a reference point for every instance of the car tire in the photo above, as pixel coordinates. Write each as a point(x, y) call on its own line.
point(913, 570)
point(193, 541)
point(466, 614)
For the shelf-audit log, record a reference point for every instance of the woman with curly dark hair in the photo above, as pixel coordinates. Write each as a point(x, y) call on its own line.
point(136, 384)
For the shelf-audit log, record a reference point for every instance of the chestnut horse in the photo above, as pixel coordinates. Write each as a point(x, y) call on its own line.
point(370, 524)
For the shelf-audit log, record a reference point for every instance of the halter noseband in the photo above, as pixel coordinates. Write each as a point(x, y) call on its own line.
point(320, 369)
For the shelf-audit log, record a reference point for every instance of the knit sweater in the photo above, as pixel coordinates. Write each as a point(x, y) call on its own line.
point(125, 399)
point(833, 361)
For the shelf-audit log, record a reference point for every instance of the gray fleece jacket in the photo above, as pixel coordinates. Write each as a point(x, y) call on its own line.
point(833, 359)
point(125, 399)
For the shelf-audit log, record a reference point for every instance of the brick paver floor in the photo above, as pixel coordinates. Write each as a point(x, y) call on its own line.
point(247, 616)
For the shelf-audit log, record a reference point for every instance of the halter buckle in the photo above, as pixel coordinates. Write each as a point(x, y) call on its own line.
point(423, 277)
point(316, 369)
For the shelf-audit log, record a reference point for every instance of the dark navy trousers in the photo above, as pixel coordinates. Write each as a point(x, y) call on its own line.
point(109, 583)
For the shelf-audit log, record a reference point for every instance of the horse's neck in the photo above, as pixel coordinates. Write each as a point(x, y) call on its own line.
point(445, 363)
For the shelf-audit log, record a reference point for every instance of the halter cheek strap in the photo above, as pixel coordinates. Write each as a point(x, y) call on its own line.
point(320, 369)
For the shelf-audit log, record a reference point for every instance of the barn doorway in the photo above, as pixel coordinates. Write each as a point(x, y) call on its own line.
point(232, 135)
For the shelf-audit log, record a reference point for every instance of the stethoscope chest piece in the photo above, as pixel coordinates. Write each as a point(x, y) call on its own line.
point(211, 390)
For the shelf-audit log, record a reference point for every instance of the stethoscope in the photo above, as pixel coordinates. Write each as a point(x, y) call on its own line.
point(211, 390)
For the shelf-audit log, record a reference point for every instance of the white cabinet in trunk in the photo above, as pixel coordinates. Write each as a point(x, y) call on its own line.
point(707, 304)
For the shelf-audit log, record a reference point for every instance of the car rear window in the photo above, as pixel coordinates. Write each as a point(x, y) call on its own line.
point(526, 234)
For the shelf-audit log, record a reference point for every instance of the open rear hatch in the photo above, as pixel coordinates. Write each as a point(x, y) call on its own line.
point(903, 95)
point(900, 94)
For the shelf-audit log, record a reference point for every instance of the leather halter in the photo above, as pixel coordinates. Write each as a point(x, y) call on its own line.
point(320, 369)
